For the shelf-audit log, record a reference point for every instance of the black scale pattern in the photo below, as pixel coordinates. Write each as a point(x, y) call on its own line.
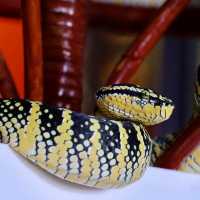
point(80, 126)
point(107, 139)
point(132, 142)
point(10, 110)
point(55, 121)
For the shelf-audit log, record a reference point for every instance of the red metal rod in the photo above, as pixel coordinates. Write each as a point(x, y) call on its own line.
point(182, 147)
point(33, 49)
point(144, 43)
point(7, 85)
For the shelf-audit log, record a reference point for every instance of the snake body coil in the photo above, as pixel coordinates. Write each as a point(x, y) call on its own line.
point(92, 151)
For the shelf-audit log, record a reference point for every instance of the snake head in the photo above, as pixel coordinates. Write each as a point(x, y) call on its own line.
point(132, 102)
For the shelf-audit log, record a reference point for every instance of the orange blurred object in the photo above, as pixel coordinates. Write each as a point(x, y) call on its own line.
point(11, 47)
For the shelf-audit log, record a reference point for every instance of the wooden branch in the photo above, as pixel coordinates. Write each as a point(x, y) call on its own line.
point(64, 33)
point(33, 49)
point(182, 147)
point(144, 43)
point(7, 85)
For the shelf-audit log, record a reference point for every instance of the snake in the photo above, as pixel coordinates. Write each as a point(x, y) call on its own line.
point(106, 151)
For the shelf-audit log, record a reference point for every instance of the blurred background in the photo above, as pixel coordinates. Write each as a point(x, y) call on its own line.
point(169, 69)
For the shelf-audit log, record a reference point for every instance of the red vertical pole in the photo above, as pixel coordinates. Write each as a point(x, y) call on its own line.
point(33, 49)
point(64, 32)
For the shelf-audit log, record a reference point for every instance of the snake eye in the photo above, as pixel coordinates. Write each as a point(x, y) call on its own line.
point(142, 102)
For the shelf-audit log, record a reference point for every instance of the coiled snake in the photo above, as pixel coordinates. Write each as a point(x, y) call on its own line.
point(93, 151)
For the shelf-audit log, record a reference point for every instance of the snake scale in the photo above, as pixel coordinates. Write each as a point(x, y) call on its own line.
point(89, 150)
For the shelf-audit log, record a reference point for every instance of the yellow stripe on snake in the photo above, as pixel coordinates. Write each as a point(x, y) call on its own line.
point(88, 150)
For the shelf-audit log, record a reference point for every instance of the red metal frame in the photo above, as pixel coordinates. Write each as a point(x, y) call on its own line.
point(121, 18)
point(144, 43)
point(133, 19)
